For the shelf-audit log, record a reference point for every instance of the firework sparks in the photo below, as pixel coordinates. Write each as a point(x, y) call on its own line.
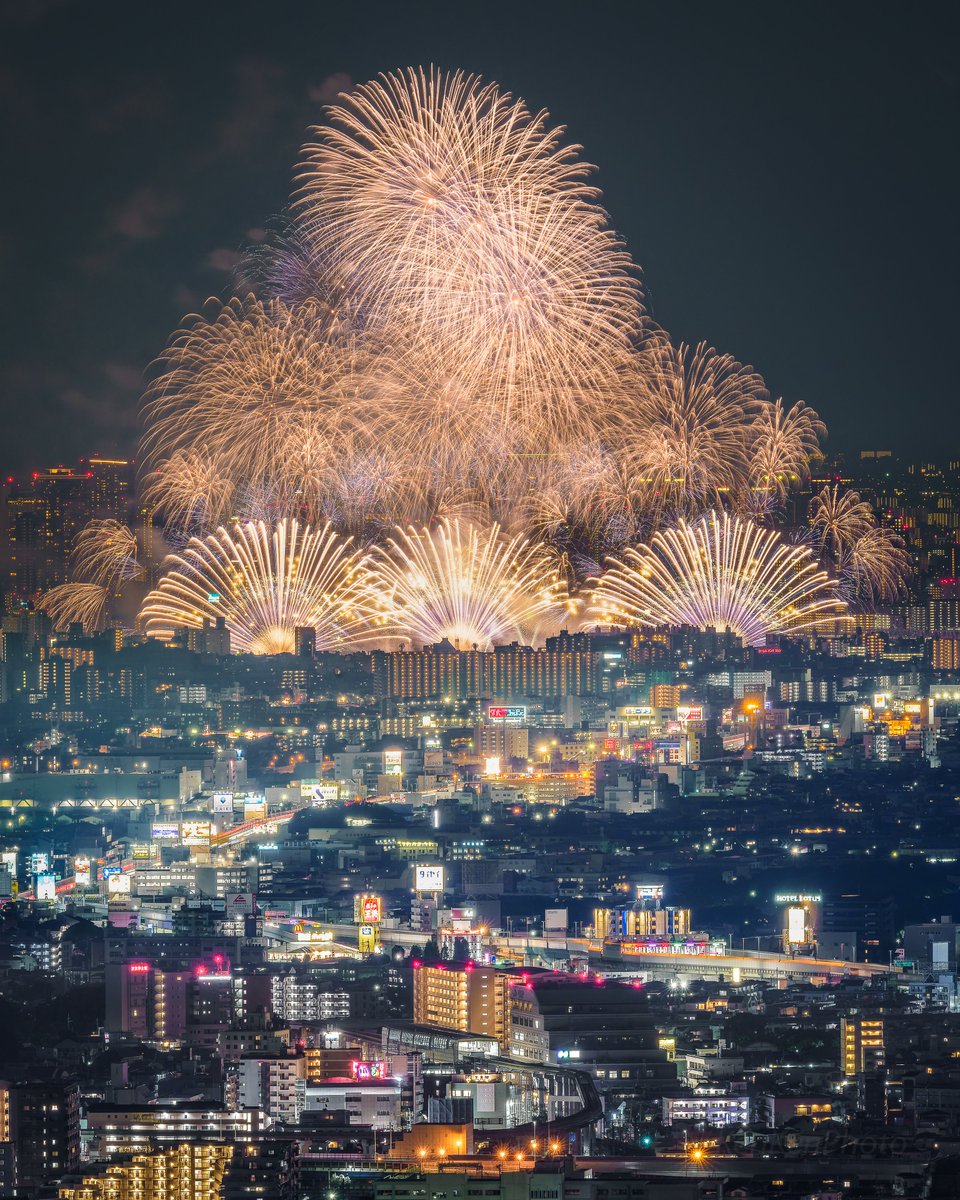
point(443, 327)
point(875, 566)
point(76, 604)
point(470, 586)
point(235, 387)
point(691, 434)
point(105, 553)
point(264, 583)
point(464, 218)
point(839, 519)
point(783, 442)
point(718, 572)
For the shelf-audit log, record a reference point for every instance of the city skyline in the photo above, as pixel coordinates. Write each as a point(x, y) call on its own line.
point(479, 630)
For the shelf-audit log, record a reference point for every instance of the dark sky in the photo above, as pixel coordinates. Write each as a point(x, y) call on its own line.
point(785, 175)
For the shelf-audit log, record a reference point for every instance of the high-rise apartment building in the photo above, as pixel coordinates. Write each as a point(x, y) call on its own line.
point(945, 654)
point(42, 1123)
point(506, 672)
point(481, 1000)
point(274, 1083)
point(861, 1045)
point(110, 487)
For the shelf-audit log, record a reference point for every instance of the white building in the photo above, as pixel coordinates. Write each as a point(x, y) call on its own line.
point(274, 1084)
point(375, 1103)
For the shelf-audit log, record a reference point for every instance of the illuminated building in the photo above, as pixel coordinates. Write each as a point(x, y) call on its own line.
point(665, 695)
point(373, 1102)
point(298, 997)
point(109, 487)
point(157, 1004)
point(506, 672)
point(641, 922)
point(710, 1106)
point(946, 653)
point(436, 671)
point(483, 1000)
point(861, 1045)
point(519, 671)
point(186, 1172)
point(114, 1129)
point(501, 741)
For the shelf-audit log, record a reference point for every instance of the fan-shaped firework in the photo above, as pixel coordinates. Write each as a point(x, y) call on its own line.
point(76, 604)
point(458, 214)
point(718, 572)
point(264, 583)
point(470, 586)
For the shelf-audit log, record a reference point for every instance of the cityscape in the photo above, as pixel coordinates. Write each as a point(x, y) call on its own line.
point(464, 738)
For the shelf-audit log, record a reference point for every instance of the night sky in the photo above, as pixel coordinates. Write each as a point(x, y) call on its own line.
point(785, 175)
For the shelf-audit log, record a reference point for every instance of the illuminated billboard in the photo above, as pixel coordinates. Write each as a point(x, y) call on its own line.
point(689, 712)
point(254, 808)
point(513, 714)
point(81, 871)
point(46, 887)
point(165, 831)
point(195, 833)
point(368, 940)
point(428, 878)
point(375, 1069)
point(222, 804)
point(119, 885)
point(393, 762)
point(368, 910)
point(796, 925)
point(320, 794)
point(39, 863)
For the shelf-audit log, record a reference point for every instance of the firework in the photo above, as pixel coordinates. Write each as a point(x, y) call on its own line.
point(690, 437)
point(782, 443)
point(264, 583)
point(460, 216)
point(473, 587)
point(105, 553)
point(839, 520)
point(236, 394)
point(288, 266)
point(191, 489)
point(876, 566)
point(443, 333)
point(718, 572)
point(76, 604)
